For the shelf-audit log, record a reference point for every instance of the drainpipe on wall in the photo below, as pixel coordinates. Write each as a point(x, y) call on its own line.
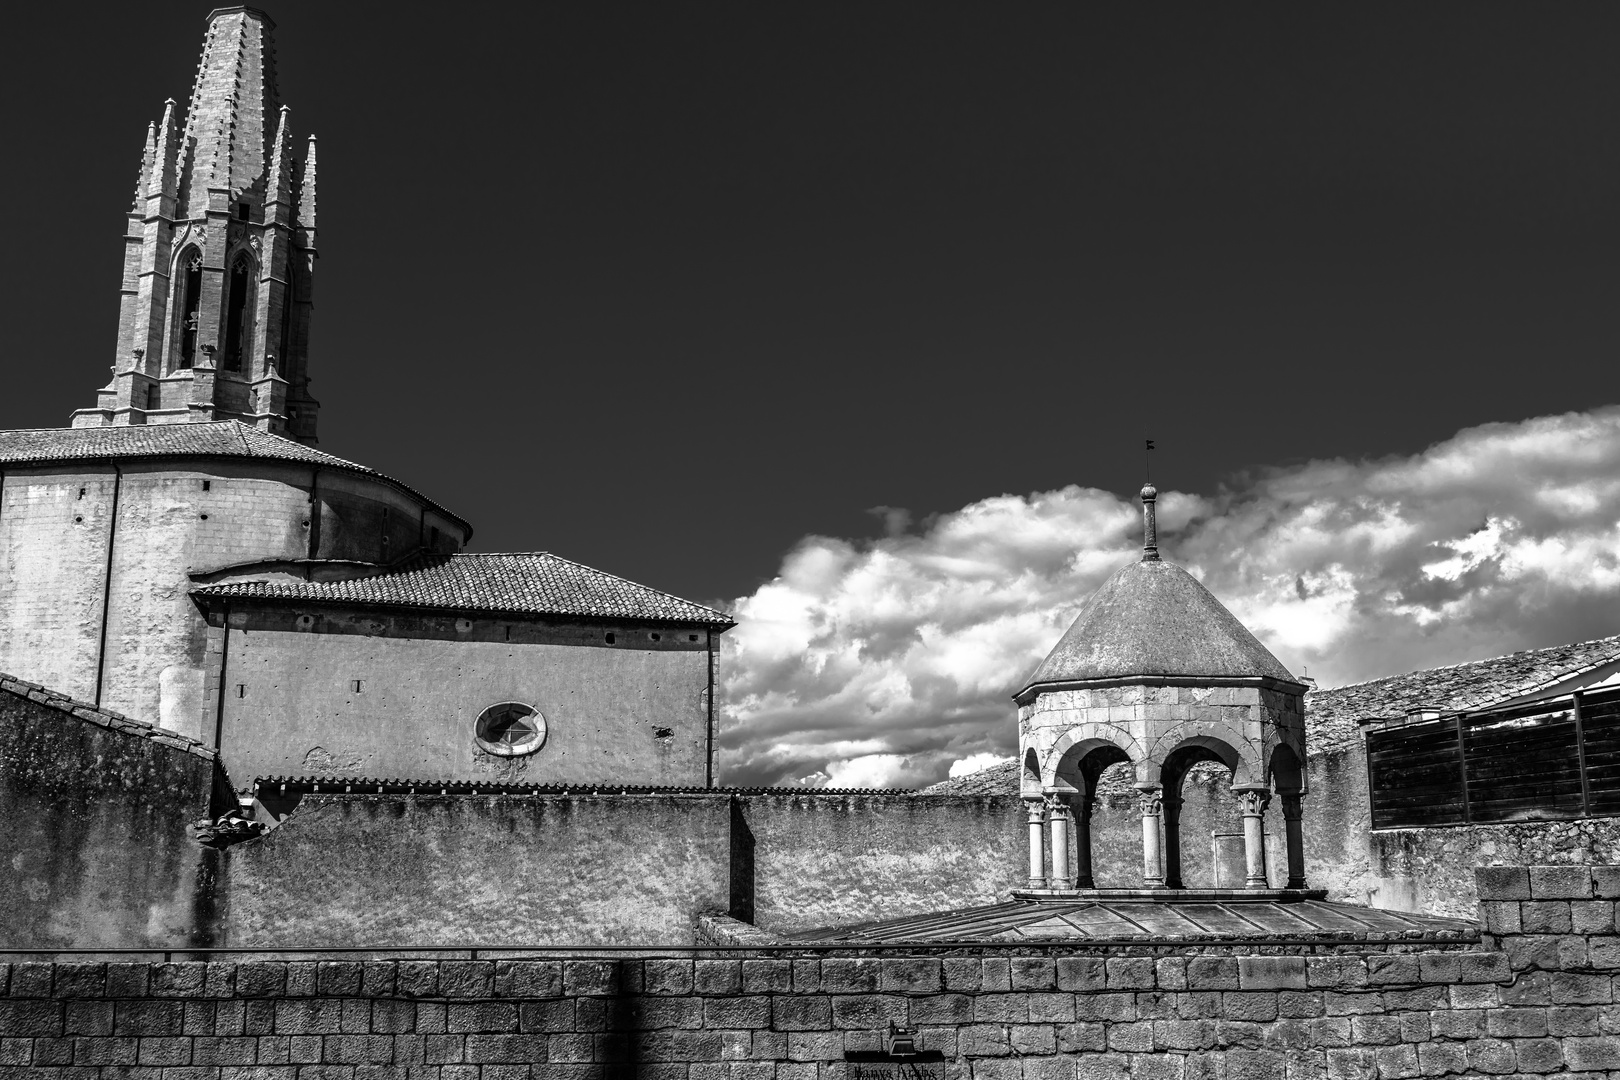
point(708, 758)
point(219, 704)
point(314, 520)
point(106, 584)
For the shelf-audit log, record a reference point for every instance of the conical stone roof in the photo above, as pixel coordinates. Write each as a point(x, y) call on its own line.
point(1152, 618)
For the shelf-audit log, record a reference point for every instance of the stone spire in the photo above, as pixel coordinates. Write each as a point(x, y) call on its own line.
point(219, 254)
point(1150, 523)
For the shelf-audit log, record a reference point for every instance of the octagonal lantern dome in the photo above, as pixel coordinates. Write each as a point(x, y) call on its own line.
point(1154, 619)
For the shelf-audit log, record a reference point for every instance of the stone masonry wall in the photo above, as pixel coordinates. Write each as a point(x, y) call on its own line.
point(1543, 1003)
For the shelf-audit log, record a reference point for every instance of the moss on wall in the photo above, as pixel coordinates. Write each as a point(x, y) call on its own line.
point(96, 844)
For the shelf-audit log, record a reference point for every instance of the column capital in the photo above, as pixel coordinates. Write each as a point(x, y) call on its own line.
point(1253, 801)
point(1057, 803)
point(1034, 808)
point(1292, 808)
point(1150, 801)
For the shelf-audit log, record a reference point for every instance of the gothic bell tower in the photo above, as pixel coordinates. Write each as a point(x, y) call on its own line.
point(219, 254)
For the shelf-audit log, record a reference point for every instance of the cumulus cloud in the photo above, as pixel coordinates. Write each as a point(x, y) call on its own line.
point(890, 661)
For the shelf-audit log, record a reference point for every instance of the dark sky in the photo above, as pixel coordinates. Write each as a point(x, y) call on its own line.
point(665, 288)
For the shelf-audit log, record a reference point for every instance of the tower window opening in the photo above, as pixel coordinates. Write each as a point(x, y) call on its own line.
point(206, 483)
point(236, 326)
point(190, 302)
point(242, 211)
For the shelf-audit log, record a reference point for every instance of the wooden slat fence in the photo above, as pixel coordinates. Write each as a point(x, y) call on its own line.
point(1534, 762)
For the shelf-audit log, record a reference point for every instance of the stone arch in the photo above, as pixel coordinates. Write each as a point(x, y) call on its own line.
point(185, 304)
point(239, 303)
point(1285, 772)
point(1087, 737)
point(1029, 780)
point(1224, 741)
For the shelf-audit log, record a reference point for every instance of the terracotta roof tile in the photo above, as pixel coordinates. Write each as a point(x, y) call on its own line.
point(529, 583)
point(1154, 618)
point(1332, 715)
point(105, 718)
point(219, 438)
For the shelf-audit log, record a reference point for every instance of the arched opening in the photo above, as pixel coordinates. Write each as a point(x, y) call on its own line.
point(1287, 775)
point(188, 271)
point(238, 312)
point(1082, 775)
point(1198, 804)
point(1029, 781)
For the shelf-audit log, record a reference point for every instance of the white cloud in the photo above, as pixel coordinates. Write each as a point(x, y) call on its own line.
point(873, 663)
point(975, 763)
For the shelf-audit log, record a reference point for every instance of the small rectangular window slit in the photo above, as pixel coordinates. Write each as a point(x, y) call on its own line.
point(206, 483)
point(241, 690)
point(354, 685)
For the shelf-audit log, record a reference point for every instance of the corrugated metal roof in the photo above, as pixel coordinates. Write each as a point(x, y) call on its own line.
point(1204, 921)
point(217, 438)
point(526, 583)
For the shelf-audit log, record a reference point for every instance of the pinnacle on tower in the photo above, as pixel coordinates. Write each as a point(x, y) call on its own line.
point(219, 254)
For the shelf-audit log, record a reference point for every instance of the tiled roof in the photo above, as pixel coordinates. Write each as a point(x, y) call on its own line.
point(1332, 716)
point(373, 785)
point(528, 583)
point(106, 718)
point(218, 438)
point(1154, 618)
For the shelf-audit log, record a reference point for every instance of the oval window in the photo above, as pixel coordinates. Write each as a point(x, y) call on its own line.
point(510, 728)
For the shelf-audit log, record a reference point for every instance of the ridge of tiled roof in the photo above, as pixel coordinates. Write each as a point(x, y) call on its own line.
point(106, 718)
point(214, 438)
point(373, 785)
point(529, 583)
point(1332, 715)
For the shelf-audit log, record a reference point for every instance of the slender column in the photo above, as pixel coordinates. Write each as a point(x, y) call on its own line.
point(1292, 812)
point(1151, 801)
point(1057, 809)
point(1035, 809)
point(1082, 845)
point(1253, 803)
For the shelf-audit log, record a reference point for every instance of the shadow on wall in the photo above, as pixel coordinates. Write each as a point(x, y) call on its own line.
point(97, 829)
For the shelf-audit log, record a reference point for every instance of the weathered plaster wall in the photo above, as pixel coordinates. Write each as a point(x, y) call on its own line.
point(53, 559)
point(94, 836)
point(60, 550)
point(632, 712)
point(823, 860)
point(425, 870)
point(367, 869)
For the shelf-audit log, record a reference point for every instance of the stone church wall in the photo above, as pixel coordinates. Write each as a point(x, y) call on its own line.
point(94, 815)
point(631, 712)
point(62, 565)
point(1538, 999)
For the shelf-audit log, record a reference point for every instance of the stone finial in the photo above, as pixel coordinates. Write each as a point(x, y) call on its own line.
point(306, 193)
point(1150, 524)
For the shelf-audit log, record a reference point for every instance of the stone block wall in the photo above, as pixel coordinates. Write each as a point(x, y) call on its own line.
point(1524, 1008)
